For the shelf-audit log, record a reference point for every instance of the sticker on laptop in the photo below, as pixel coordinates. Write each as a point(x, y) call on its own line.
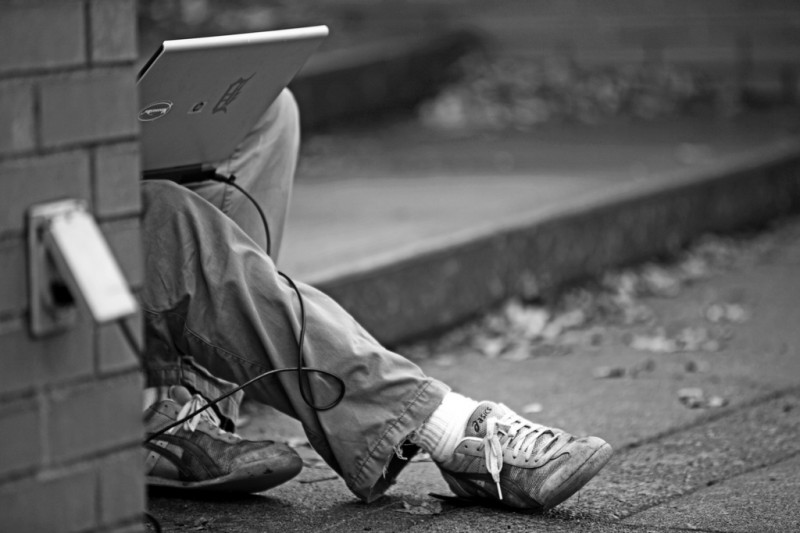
point(155, 111)
point(231, 93)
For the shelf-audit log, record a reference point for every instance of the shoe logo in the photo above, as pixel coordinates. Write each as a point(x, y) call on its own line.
point(476, 424)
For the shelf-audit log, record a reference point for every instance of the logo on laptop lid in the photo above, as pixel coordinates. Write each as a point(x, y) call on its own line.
point(155, 111)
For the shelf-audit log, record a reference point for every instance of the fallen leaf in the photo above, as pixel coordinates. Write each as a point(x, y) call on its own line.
point(726, 312)
point(694, 268)
point(648, 365)
point(736, 313)
point(444, 360)
point(606, 372)
point(695, 398)
point(491, 347)
point(564, 321)
point(692, 339)
point(712, 345)
point(691, 397)
point(530, 321)
point(656, 344)
point(660, 282)
point(532, 408)
point(519, 352)
point(696, 366)
point(716, 401)
point(423, 508)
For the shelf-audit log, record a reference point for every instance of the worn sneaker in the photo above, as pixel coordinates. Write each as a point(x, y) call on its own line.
point(199, 455)
point(508, 460)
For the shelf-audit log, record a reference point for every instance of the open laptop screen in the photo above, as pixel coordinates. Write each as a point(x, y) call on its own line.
point(200, 97)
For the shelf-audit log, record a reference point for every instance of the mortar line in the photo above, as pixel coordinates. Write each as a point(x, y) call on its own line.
point(760, 466)
point(713, 417)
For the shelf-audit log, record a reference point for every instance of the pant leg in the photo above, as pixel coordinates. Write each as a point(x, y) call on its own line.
point(264, 164)
point(212, 292)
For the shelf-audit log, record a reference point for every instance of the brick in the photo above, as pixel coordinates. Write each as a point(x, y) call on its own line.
point(122, 488)
point(65, 503)
point(117, 180)
point(92, 418)
point(125, 239)
point(52, 360)
point(113, 352)
point(30, 181)
point(13, 289)
point(16, 118)
point(93, 107)
point(113, 30)
point(20, 447)
point(42, 36)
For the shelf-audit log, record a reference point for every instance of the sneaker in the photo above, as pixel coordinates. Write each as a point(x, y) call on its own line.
point(506, 459)
point(199, 455)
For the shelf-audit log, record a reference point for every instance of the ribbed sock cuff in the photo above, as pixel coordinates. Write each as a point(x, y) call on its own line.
point(440, 433)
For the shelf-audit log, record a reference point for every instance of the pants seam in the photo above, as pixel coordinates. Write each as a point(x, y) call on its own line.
point(389, 428)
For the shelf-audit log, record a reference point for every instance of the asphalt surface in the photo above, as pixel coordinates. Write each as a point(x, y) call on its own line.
point(727, 468)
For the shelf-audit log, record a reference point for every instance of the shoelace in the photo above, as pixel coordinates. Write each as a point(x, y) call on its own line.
point(522, 435)
point(195, 403)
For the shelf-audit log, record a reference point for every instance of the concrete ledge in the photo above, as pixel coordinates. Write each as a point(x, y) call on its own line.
point(376, 77)
point(431, 285)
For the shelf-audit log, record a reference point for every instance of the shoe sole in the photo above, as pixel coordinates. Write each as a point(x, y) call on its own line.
point(579, 477)
point(237, 482)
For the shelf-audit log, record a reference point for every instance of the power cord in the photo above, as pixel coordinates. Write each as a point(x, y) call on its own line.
point(231, 180)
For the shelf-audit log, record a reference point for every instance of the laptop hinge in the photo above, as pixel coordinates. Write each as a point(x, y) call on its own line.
point(182, 175)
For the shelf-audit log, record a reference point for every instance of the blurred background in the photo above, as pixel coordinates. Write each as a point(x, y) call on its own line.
point(519, 63)
point(524, 88)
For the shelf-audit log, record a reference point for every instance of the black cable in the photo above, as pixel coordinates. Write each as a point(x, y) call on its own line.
point(231, 180)
point(303, 381)
point(150, 519)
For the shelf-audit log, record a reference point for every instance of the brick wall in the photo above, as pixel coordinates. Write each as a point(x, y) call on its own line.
point(70, 404)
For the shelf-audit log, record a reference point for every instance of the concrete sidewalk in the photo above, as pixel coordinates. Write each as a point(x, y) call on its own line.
point(732, 468)
point(412, 230)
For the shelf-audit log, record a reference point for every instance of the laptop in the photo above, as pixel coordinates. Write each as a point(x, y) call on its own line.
point(200, 97)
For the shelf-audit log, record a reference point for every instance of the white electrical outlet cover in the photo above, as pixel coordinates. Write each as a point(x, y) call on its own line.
point(81, 250)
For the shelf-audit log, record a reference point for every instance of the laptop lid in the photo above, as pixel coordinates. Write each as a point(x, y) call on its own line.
point(200, 97)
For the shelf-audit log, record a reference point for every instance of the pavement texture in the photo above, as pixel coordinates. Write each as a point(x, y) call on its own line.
point(706, 430)
point(725, 466)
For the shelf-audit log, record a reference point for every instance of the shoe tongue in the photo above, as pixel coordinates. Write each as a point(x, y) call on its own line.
point(476, 425)
point(180, 394)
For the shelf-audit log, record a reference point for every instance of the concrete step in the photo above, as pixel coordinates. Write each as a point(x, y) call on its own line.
point(410, 251)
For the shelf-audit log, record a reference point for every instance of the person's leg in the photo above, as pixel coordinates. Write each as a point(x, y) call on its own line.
point(200, 455)
point(263, 164)
point(213, 295)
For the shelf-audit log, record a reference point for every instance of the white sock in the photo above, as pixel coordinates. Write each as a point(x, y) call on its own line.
point(440, 433)
point(152, 395)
